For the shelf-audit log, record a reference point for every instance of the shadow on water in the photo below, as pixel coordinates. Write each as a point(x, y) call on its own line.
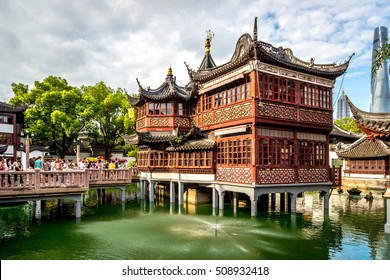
point(137, 229)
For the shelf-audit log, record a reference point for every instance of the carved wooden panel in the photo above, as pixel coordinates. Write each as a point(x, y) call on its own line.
point(183, 122)
point(241, 175)
point(160, 121)
point(313, 116)
point(141, 123)
point(197, 120)
point(277, 111)
point(233, 112)
point(313, 175)
point(207, 119)
point(275, 176)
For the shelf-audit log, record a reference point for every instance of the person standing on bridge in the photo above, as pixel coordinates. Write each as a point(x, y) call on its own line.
point(18, 166)
point(38, 163)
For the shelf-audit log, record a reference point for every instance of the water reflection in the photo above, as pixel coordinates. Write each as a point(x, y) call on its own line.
point(352, 229)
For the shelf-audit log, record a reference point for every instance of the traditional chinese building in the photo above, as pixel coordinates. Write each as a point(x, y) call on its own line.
point(367, 158)
point(11, 120)
point(375, 145)
point(258, 124)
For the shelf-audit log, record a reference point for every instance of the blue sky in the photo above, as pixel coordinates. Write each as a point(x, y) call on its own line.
point(116, 42)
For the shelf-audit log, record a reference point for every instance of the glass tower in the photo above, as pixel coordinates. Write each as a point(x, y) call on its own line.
point(380, 95)
point(342, 108)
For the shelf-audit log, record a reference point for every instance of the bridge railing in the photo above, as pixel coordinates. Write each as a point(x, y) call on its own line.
point(36, 179)
point(110, 176)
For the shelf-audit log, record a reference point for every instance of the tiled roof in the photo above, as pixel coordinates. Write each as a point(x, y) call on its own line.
point(339, 132)
point(202, 144)
point(149, 137)
point(6, 108)
point(265, 52)
point(374, 124)
point(207, 62)
point(365, 148)
point(161, 136)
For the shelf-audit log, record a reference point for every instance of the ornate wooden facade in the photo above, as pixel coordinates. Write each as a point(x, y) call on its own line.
point(263, 118)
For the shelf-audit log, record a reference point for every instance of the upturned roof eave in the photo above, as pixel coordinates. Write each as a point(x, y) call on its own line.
point(166, 91)
point(377, 124)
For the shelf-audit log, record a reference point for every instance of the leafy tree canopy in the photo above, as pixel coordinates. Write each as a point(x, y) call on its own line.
point(55, 113)
point(381, 56)
point(108, 111)
point(348, 124)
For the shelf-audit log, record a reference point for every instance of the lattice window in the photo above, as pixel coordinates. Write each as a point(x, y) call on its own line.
point(312, 153)
point(275, 152)
point(276, 88)
point(315, 96)
point(366, 166)
point(234, 152)
point(8, 119)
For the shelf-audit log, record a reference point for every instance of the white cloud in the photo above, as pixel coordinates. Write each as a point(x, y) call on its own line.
point(118, 41)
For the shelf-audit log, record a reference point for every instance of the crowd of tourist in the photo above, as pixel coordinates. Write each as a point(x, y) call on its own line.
point(6, 164)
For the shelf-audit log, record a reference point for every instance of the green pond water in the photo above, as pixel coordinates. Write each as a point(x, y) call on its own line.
point(353, 229)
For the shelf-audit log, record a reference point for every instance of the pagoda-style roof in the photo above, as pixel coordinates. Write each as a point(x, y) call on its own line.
point(149, 137)
point(365, 148)
point(6, 108)
point(201, 144)
point(267, 53)
point(338, 132)
point(161, 136)
point(168, 90)
point(375, 125)
point(207, 62)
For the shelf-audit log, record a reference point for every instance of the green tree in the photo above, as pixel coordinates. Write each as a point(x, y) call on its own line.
point(108, 114)
point(55, 113)
point(381, 56)
point(348, 124)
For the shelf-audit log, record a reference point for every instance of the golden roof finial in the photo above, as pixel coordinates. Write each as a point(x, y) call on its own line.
point(169, 70)
point(209, 37)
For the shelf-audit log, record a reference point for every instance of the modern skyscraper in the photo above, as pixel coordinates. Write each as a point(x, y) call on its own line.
point(380, 95)
point(342, 107)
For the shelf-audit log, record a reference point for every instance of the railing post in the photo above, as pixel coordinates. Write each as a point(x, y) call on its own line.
point(37, 178)
point(100, 174)
point(86, 178)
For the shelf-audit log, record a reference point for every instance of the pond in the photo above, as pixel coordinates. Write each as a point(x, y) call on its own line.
point(353, 229)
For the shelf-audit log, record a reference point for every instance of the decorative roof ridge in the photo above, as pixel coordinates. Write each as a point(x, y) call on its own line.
point(7, 108)
point(354, 144)
point(287, 55)
point(345, 131)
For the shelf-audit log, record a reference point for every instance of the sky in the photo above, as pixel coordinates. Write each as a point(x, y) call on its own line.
point(118, 41)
